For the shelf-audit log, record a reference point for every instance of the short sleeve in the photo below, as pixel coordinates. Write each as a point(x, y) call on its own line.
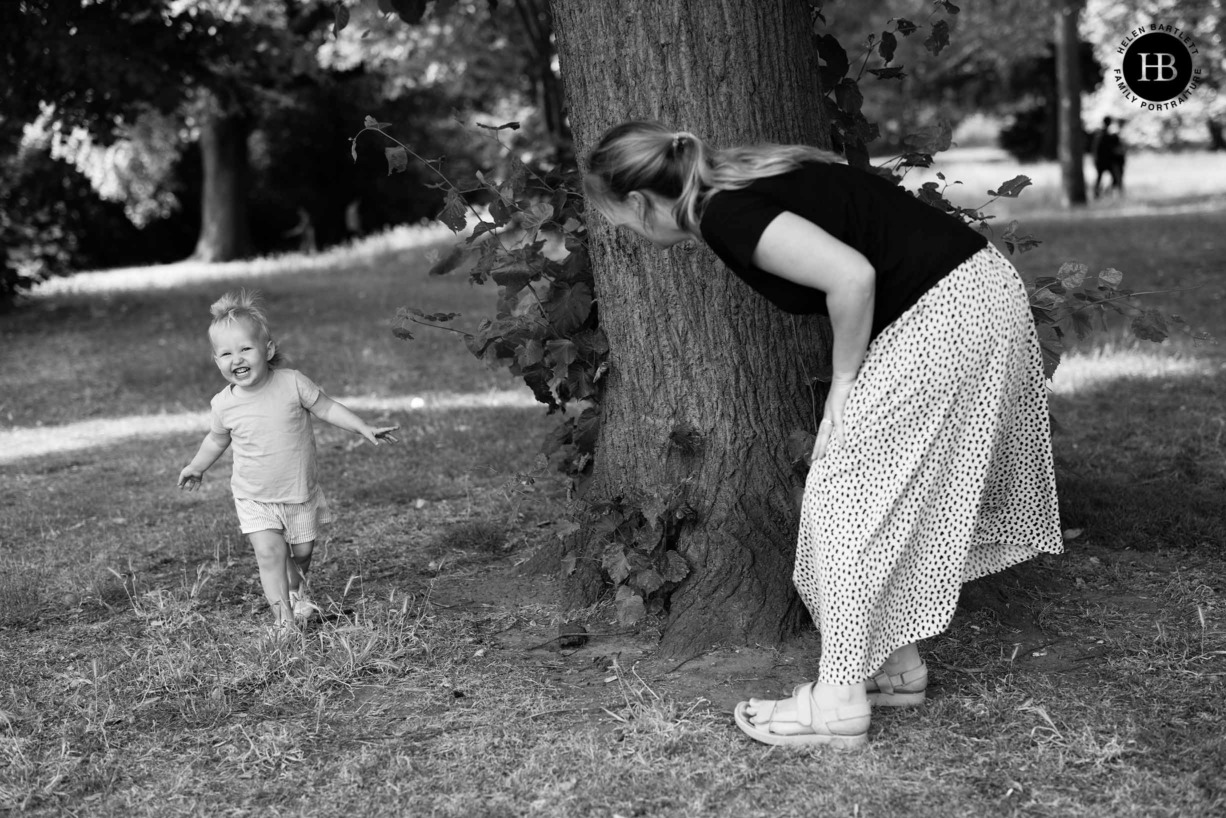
point(733, 223)
point(216, 425)
point(308, 391)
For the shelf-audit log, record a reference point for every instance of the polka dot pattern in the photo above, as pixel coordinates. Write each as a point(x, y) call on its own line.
point(944, 473)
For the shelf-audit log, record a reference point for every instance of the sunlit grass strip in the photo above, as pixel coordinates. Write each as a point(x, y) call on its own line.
point(168, 276)
point(1084, 371)
point(18, 444)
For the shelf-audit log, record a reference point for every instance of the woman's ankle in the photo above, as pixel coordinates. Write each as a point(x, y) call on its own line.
point(828, 696)
point(903, 660)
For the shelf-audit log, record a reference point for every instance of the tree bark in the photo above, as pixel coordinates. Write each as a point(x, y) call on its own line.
point(689, 342)
point(224, 229)
point(1071, 140)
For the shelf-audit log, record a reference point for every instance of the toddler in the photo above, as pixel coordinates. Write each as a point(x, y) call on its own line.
point(264, 411)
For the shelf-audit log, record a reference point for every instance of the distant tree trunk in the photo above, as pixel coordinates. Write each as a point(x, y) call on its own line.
point(1217, 140)
point(690, 344)
point(224, 231)
point(1071, 140)
point(537, 20)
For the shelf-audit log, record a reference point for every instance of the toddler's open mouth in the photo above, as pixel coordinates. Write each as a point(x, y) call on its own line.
point(241, 371)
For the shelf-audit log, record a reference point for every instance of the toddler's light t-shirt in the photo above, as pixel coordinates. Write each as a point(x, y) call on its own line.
point(271, 436)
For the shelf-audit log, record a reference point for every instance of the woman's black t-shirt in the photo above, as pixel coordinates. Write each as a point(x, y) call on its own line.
point(910, 244)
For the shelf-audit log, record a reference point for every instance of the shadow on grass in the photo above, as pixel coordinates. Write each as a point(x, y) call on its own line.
point(1142, 463)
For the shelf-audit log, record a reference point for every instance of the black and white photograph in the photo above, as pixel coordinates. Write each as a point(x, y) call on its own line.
point(613, 408)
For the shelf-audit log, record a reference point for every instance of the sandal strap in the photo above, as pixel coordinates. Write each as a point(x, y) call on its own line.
point(806, 713)
point(887, 683)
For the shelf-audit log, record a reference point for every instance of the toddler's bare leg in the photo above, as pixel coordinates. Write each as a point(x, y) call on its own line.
point(272, 556)
point(300, 564)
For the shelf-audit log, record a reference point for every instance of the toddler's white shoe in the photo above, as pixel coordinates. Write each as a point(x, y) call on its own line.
point(302, 605)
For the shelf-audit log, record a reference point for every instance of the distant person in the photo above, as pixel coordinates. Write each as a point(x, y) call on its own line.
point(305, 231)
point(1109, 151)
point(353, 219)
point(265, 412)
point(932, 464)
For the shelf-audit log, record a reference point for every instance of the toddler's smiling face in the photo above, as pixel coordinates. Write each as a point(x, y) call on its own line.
point(240, 354)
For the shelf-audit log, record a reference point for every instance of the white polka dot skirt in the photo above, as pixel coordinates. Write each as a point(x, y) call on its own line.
point(944, 473)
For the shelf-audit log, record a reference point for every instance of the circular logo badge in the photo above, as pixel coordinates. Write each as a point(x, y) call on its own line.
point(1157, 67)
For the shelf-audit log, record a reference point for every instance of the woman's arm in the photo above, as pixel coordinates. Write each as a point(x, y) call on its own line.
point(215, 443)
point(342, 417)
point(795, 248)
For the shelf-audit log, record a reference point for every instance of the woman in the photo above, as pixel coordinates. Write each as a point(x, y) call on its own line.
point(932, 464)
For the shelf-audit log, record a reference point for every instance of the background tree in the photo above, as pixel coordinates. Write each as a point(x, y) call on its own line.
point(1071, 131)
point(706, 380)
point(218, 125)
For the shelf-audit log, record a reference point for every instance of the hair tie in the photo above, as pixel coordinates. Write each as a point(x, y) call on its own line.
point(679, 139)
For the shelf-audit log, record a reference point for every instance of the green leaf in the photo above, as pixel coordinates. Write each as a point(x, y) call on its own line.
point(905, 27)
point(615, 564)
point(513, 278)
point(410, 11)
point(447, 263)
point(675, 567)
point(630, 607)
point(647, 581)
point(832, 53)
point(591, 342)
point(1072, 274)
point(1012, 188)
point(511, 126)
point(1150, 325)
point(1046, 299)
point(340, 18)
point(402, 332)
point(562, 352)
point(1083, 323)
point(949, 7)
point(531, 353)
point(938, 38)
point(800, 446)
point(500, 211)
point(1052, 348)
point(569, 307)
point(916, 160)
point(579, 382)
point(453, 211)
point(371, 122)
point(397, 159)
point(537, 215)
point(888, 45)
point(847, 94)
point(932, 138)
point(1014, 242)
point(893, 72)
point(1111, 277)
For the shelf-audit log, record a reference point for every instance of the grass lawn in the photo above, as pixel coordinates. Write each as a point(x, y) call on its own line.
point(136, 679)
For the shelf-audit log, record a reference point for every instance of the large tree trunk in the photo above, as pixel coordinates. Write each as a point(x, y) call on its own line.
point(1070, 147)
point(224, 232)
point(690, 344)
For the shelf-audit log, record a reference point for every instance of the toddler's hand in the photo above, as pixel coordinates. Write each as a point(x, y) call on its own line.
point(189, 478)
point(382, 433)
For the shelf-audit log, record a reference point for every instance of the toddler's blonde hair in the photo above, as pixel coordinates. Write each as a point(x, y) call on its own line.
point(245, 305)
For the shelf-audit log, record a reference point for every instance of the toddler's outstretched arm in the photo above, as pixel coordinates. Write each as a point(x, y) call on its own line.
point(341, 416)
point(211, 449)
